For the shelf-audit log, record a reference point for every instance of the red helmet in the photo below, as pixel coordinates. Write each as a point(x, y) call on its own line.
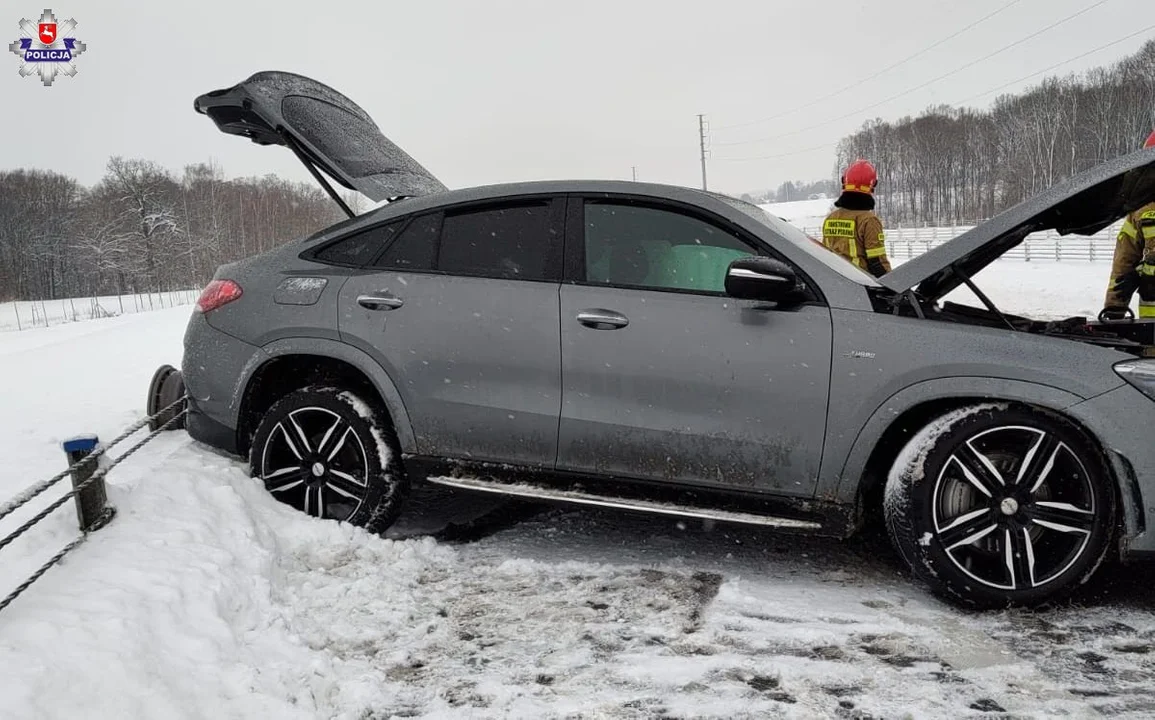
point(1150, 141)
point(859, 177)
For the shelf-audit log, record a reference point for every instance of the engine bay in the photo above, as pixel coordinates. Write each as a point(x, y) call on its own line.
point(1134, 336)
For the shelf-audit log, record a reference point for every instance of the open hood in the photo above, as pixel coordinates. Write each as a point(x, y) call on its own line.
point(1081, 205)
point(324, 128)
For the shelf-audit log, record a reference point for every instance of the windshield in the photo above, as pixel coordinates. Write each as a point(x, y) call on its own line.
point(801, 240)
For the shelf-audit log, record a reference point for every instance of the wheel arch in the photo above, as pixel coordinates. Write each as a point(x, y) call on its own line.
point(896, 420)
point(290, 363)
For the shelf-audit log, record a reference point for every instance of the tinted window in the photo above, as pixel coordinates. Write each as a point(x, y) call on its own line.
point(648, 247)
point(416, 247)
point(357, 249)
point(516, 242)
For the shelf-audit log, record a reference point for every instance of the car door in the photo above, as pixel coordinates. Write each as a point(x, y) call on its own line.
point(664, 376)
point(461, 309)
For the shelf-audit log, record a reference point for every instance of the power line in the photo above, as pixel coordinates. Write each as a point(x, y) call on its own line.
point(1056, 65)
point(823, 146)
point(908, 91)
point(881, 72)
point(1080, 56)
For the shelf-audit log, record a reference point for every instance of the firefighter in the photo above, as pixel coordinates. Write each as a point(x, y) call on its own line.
point(852, 230)
point(1134, 265)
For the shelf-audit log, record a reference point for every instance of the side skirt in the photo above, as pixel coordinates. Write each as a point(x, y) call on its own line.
point(787, 515)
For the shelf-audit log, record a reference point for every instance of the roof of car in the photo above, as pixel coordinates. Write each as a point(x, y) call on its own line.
point(515, 189)
point(532, 187)
point(518, 189)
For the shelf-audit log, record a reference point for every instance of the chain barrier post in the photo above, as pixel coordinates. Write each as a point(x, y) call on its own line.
point(92, 509)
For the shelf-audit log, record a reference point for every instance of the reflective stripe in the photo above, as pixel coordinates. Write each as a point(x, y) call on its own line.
point(857, 188)
point(1146, 310)
point(1149, 232)
point(1145, 269)
point(876, 252)
point(1128, 230)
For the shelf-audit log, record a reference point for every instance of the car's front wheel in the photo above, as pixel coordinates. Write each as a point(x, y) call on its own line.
point(331, 454)
point(995, 505)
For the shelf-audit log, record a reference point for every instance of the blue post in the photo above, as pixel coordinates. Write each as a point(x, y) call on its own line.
point(92, 509)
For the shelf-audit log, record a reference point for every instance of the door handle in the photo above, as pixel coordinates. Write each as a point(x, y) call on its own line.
point(384, 301)
point(602, 319)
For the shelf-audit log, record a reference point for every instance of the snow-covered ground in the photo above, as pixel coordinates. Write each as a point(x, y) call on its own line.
point(803, 213)
point(1043, 290)
point(205, 598)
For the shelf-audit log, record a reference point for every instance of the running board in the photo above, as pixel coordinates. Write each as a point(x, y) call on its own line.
point(648, 506)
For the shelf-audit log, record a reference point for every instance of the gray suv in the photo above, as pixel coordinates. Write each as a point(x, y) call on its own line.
point(668, 350)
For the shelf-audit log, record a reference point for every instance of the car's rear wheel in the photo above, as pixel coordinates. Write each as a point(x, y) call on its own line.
point(332, 455)
point(995, 505)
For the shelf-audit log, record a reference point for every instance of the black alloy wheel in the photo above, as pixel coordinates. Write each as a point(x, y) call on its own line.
point(1008, 506)
point(331, 455)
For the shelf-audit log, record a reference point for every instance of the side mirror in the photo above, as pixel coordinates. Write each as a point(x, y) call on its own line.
point(761, 278)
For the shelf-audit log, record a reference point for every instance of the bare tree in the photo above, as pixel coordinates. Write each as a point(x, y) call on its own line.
point(139, 228)
point(147, 207)
point(962, 165)
point(102, 243)
point(36, 216)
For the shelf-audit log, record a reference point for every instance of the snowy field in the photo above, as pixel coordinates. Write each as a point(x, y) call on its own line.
point(205, 598)
point(27, 314)
point(803, 213)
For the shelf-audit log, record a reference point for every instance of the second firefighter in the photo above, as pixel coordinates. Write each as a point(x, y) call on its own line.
point(1133, 267)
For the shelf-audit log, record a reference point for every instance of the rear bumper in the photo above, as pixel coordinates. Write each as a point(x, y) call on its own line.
point(214, 368)
point(203, 428)
point(1122, 420)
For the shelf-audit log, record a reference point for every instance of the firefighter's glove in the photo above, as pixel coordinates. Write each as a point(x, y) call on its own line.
point(1146, 272)
point(1125, 285)
point(1115, 312)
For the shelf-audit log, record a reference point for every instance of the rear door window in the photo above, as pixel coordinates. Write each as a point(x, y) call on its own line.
point(513, 241)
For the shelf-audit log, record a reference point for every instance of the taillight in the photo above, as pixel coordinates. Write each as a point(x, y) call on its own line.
point(218, 293)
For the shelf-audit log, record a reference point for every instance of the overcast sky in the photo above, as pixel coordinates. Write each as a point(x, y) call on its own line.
point(483, 91)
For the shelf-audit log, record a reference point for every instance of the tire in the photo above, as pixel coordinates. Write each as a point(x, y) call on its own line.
point(333, 455)
point(995, 505)
point(165, 388)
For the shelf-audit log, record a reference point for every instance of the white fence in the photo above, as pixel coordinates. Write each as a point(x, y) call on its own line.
point(908, 242)
point(26, 314)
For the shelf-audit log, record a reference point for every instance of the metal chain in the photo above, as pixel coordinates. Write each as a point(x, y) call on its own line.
point(43, 569)
point(95, 476)
point(32, 492)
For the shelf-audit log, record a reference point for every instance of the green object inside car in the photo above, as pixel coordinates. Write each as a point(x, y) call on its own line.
point(658, 264)
point(696, 267)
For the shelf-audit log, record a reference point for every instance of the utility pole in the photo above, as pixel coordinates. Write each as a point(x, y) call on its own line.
point(702, 146)
point(634, 169)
